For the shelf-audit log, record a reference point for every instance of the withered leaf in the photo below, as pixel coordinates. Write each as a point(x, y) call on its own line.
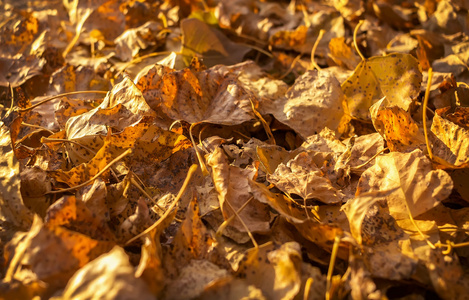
point(232, 185)
point(411, 184)
point(114, 275)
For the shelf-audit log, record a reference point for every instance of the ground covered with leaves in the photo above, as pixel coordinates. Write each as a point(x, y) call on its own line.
point(187, 149)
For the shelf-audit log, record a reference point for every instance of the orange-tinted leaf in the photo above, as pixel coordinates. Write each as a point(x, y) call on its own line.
point(397, 127)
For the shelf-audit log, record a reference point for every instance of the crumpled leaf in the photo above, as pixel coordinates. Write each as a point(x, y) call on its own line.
point(232, 185)
point(315, 101)
point(215, 95)
point(194, 277)
point(396, 76)
point(114, 275)
point(129, 43)
point(274, 270)
point(301, 176)
point(51, 254)
point(397, 127)
point(412, 186)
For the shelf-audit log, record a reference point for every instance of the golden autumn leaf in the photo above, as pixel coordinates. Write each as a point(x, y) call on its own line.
point(234, 149)
point(396, 76)
point(114, 275)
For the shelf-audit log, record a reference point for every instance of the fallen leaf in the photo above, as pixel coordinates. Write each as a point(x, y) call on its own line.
point(397, 127)
point(301, 176)
point(202, 40)
point(113, 273)
point(232, 185)
point(314, 102)
point(12, 208)
point(396, 76)
point(451, 144)
point(411, 184)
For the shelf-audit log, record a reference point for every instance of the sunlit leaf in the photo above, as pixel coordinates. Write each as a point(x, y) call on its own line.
point(395, 76)
point(114, 275)
point(412, 186)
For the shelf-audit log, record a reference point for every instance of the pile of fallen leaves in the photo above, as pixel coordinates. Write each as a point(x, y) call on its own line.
point(234, 149)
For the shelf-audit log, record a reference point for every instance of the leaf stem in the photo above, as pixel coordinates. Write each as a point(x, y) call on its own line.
point(58, 96)
point(355, 39)
point(330, 271)
point(314, 65)
point(424, 109)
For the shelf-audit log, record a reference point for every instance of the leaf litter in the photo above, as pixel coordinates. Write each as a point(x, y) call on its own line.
point(234, 149)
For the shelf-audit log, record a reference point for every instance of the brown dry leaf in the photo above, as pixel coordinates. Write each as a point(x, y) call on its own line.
point(411, 184)
point(113, 274)
point(324, 141)
point(302, 38)
point(94, 197)
point(12, 208)
point(192, 241)
point(34, 186)
point(283, 205)
point(150, 143)
point(301, 176)
point(215, 95)
point(389, 253)
point(71, 78)
point(231, 288)
point(452, 139)
point(363, 149)
point(276, 271)
point(314, 102)
point(356, 209)
point(51, 254)
point(122, 107)
point(152, 267)
point(397, 127)
point(129, 43)
point(72, 214)
point(193, 279)
point(447, 275)
point(232, 185)
point(86, 171)
point(271, 156)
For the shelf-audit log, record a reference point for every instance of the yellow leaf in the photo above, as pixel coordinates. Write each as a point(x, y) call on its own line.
point(396, 76)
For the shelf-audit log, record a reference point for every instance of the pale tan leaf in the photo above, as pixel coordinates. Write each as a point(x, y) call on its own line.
point(412, 184)
point(301, 176)
point(315, 101)
point(110, 276)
